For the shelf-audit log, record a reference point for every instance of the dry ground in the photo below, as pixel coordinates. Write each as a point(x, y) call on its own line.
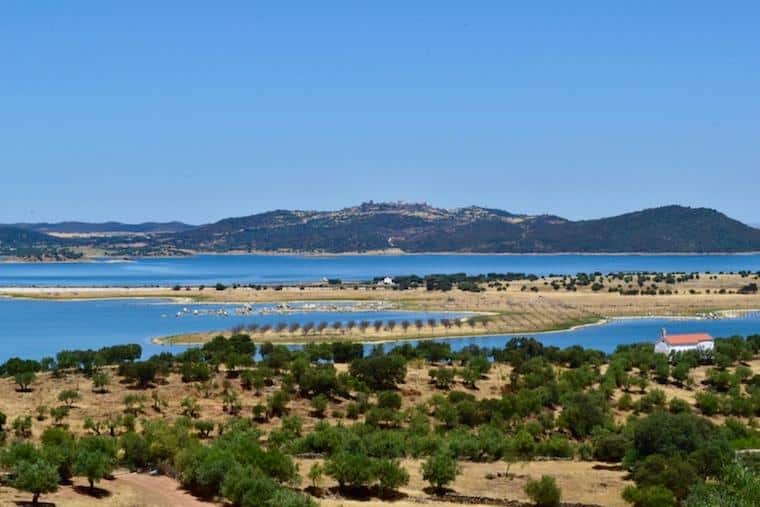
point(123, 490)
point(417, 389)
point(581, 482)
point(587, 482)
point(100, 406)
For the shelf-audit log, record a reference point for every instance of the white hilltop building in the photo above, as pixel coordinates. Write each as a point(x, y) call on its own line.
point(668, 343)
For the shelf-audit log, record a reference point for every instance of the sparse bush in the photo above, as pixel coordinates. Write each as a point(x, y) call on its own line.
point(544, 492)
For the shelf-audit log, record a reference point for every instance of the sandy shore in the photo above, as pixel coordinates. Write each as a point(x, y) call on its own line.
point(505, 308)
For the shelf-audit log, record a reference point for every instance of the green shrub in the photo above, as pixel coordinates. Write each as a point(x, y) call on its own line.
point(24, 380)
point(556, 447)
point(36, 477)
point(442, 377)
point(679, 406)
point(610, 447)
point(136, 451)
point(69, 396)
point(582, 412)
point(390, 474)
point(625, 402)
point(319, 404)
point(350, 469)
point(59, 447)
point(96, 458)
point(544, 492)
point(708, 403)
point(440, 470)
point(674, 473)
point(204, 428)
point(379, 372)
point(650, 496)
point(352, 410)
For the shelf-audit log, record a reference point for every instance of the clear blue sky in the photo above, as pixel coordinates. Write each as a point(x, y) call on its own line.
point(201, 110)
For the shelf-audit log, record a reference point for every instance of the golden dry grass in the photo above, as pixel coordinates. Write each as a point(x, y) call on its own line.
point(585, 482)
point(416, 389)
point(123, 490)
point(581, 482)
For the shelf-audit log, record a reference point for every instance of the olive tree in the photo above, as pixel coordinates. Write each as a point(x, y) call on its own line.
point(36, 477)
point(439, 470)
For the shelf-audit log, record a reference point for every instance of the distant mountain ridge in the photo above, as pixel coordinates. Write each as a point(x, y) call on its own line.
point(14, 237)
point(423, 228)
point(72, 227)
point(411, 228)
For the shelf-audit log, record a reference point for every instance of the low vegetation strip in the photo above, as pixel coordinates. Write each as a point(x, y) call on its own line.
point(366, 331)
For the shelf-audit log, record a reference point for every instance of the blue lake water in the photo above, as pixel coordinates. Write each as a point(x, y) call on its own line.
point(606, 337)
point(270, 269)
point(36, 328)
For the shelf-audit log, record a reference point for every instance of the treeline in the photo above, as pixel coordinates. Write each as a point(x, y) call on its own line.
point(626, 283)
point(362, 326)
point(558, 403)
point(446, 282)
point(82, 360)
point(42, 253)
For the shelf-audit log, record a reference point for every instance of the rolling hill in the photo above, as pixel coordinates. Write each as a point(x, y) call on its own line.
point(409, 228)
point(105, 227)
point(423, 228)
point(13, 238)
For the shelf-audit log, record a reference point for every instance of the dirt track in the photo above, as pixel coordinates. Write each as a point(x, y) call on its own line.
point(159, 491)
point(124, 490)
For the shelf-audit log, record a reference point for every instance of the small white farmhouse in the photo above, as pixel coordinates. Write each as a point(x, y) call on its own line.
point(682, 342)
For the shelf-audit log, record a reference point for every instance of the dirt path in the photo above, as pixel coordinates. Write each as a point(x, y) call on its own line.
point(159, 491)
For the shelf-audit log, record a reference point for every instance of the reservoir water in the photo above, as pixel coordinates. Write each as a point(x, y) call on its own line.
point(607, 336)
point(39, 328)
point(272, 269)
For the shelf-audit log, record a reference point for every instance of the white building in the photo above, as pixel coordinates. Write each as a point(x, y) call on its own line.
point(387, 281)
point(668, 343)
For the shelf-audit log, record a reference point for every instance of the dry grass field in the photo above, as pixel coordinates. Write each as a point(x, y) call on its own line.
point(581, 481)
point(585, 482)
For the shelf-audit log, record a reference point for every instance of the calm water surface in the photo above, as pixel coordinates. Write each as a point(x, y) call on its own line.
point(209, 269)
point(606, 337)
point(35, 328)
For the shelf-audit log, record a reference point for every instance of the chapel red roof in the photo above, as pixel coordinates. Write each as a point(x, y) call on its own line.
point(687, 339)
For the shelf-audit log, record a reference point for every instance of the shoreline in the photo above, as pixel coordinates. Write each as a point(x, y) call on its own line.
point(401, 253)
point(10, 260)
point(525, 307)
point(728, 314)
